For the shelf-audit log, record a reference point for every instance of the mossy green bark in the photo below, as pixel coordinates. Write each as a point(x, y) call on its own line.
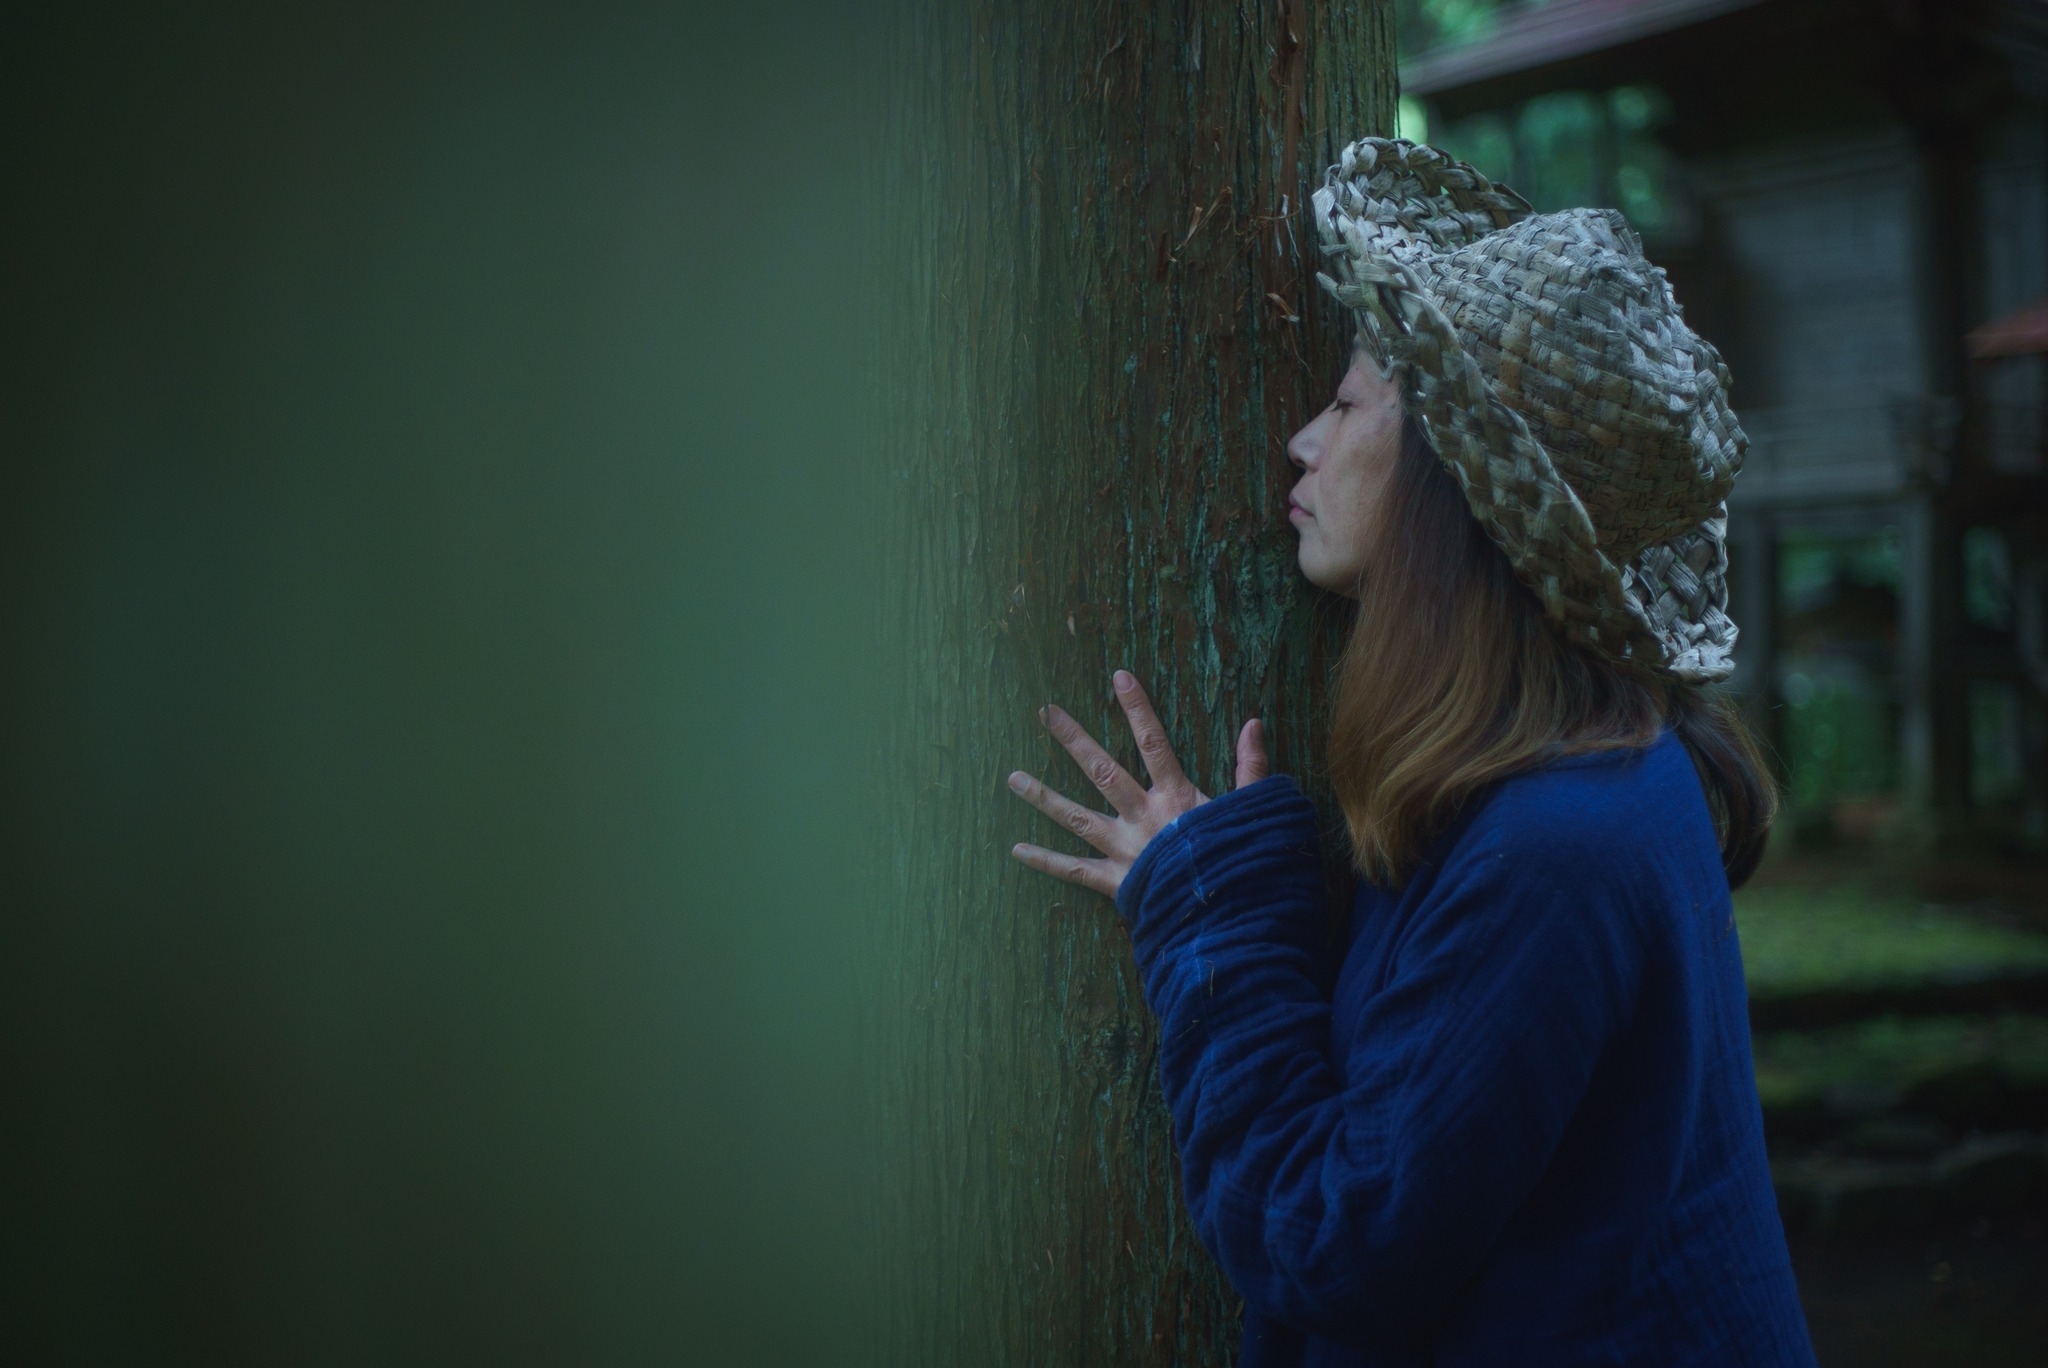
point(1108, 331)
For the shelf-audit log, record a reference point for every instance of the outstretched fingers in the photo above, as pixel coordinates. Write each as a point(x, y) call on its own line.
point(1099, 875)
point(1091, 826)
point(1153, 747)
point(1099, 765)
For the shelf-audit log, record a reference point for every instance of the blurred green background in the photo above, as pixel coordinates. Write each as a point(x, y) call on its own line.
point(433, 605)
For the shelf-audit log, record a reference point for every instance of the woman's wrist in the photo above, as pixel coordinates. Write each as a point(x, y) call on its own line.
point(1255, 848)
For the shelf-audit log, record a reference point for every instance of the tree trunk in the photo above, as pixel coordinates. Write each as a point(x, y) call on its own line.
point(1110, 329)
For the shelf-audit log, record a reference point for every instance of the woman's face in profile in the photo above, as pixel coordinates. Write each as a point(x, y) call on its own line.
point(1346, 455)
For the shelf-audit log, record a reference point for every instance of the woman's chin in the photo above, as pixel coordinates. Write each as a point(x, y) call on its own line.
point(1332, 579)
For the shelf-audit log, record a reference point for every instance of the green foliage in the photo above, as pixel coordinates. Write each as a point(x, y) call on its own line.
point(1424, 24)
point(1559, 138)
point(1811, 570)
point(1838, 736)
point(1577, 149)
point(1642, 168)
point(1411, 120)
point(1798, 939)
point(1638, 109)
point(1839, 597)
point(1987, 578)
point(1487, 141)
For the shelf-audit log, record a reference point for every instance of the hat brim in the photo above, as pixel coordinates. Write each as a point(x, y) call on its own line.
point(1383, 214)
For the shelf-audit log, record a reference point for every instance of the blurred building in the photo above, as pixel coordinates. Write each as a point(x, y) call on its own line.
point(1851, 199)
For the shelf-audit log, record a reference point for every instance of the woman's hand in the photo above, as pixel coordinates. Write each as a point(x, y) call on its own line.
point(1140, 813)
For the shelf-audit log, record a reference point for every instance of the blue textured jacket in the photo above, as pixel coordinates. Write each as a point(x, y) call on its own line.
point(1523, 1129)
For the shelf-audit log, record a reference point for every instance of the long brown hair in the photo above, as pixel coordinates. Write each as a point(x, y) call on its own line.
point(1454, 679)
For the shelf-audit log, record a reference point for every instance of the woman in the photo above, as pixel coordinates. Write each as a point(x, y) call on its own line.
point(1522, 1128)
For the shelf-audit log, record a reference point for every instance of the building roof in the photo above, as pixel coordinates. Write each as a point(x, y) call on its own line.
point(1534, 35)
point(2020, 333)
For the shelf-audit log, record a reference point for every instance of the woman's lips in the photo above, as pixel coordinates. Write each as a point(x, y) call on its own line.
point(1295, 510)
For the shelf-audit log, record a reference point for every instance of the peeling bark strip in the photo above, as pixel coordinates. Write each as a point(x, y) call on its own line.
point(1106, 330)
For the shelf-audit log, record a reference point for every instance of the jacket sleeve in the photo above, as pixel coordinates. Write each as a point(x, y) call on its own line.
point(1352, 1188)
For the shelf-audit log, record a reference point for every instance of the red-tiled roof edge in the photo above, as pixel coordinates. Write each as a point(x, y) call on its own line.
point(1534, 36)
point(2022, 332)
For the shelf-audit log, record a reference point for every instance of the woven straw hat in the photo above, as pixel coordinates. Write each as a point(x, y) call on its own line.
point(1552, 371)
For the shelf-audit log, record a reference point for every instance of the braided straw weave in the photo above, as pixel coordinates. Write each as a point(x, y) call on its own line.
point(1554, 374)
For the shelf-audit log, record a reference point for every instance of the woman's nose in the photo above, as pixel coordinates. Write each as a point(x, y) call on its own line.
point(1302, 448)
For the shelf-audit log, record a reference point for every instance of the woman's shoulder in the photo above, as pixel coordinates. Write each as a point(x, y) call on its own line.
point(1599, 806)
point(1587, 854)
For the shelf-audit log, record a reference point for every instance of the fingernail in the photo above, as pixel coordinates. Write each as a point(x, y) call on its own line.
point(1125, 681)
point(1019, 782)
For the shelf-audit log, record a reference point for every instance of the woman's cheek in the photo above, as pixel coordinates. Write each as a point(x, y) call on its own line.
point(1342, 526)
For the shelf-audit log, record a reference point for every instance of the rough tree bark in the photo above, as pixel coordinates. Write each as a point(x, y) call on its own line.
point(1107, 330)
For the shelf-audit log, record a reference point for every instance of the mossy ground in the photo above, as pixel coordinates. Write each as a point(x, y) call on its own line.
point(1798, 937)
point(1903, 1089)
point(1898, 1053)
